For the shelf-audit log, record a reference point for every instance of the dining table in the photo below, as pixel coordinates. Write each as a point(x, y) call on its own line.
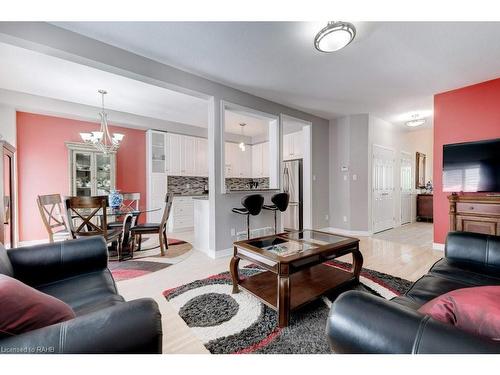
point(124, 212)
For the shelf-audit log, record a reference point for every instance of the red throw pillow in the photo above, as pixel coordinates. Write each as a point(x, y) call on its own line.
point(475, 310)
point(24, 309)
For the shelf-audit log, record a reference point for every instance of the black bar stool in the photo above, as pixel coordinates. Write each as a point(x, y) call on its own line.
point(280, 201)
point(252, 205)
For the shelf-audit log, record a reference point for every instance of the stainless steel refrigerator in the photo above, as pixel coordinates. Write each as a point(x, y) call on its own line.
point(292, 184)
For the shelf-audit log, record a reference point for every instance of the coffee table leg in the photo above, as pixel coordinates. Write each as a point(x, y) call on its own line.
point(283, 300)
point(357, 263)
point(233, 268)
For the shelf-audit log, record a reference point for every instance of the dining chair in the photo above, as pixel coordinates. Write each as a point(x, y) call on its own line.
point(155, 228)
point(54, 217)
point(88, 217)
point(131, 203)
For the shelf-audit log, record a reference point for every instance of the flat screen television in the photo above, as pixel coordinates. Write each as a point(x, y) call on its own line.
point(472, 167)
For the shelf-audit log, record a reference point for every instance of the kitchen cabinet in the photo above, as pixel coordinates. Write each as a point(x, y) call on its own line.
point(188, 156)
point(260, 160)
point(182, 214)
point(91, 172)
point(175, 154)
point(293, 146)
point(201, 155)
point(238, 164)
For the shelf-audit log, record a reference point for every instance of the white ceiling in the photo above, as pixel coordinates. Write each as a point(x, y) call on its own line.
point(255, 126)
point(391, 70)
point(34, 73)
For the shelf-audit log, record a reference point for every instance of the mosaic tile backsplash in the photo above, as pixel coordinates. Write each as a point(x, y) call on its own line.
point(195, 185)
point(187, 185)
point(245, 183)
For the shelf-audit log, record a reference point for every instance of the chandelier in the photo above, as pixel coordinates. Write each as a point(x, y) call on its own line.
point(101, 139)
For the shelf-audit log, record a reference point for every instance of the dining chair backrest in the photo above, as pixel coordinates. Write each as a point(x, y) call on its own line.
point(131, 200)
point(53, 214)
point(169, 198)
point(90, 215)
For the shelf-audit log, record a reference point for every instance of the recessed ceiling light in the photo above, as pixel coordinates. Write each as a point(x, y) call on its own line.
point(415, 121)
point(334, 36)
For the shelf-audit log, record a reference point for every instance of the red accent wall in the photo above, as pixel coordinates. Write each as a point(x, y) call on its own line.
point(42, 160)
point(470, 113)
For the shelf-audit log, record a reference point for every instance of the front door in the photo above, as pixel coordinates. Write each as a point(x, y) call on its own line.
point(406, 187)
point(382, 189)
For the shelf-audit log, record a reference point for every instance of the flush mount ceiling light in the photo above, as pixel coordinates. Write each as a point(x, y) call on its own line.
point(334, 36)
point(415, 121)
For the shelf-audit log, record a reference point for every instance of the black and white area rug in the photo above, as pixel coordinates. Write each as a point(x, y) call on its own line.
point(239, 323)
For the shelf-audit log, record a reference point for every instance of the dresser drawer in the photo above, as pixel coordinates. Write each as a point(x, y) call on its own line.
point(478, 208)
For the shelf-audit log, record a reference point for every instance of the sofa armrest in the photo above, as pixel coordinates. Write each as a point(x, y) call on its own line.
point(131, 327)
point(41, 264)
point(363, 323)
point(474, 248)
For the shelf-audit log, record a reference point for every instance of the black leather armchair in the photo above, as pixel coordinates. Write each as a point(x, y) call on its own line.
point(76, 272)
point(362, 323)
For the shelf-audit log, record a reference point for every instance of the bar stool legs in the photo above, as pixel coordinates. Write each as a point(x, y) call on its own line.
point(252, 205)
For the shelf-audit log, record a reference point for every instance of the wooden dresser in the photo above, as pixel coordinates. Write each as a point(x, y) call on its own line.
point(424, 207)
point(475, 213)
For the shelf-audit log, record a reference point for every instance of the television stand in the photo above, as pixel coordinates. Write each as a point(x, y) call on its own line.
point(478, 213)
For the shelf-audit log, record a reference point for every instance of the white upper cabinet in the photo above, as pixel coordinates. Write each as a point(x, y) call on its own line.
point(293, 146)
point(265, 159)
point(201, 157)
point(238, 163)
point(260, 160)
point(174, 152)
point(257, 160)
point(188, 156)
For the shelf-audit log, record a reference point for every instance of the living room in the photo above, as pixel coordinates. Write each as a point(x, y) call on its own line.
point(272, 187)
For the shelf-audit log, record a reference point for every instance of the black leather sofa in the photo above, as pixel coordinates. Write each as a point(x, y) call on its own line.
point(76, 272)
point(363, 323)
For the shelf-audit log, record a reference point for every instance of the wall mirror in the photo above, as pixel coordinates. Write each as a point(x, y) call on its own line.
point(420, 171)
point(251, 149)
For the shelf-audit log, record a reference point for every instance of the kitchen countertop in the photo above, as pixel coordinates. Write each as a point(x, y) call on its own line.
point(191, 195)
point(252, 191)
point(201, 198)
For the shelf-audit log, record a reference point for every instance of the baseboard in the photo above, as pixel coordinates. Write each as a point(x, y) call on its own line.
point(438, 246)
point(219, 253)
point(346, 232)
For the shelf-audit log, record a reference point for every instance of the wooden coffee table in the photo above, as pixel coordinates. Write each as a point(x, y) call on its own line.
point(294, 272)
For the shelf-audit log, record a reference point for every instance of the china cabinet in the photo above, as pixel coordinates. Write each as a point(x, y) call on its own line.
point(91, 172)
point(7, 190)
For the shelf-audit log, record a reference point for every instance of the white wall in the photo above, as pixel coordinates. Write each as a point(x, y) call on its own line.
point(8, 123)
point(349, 188)
point(351, 141)
point(421, 141)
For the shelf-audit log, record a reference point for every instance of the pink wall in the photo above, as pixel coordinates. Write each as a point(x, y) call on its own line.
point(468, 114)
point(42, 160)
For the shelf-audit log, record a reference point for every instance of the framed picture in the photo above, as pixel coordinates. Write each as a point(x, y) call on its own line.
point(420, 171)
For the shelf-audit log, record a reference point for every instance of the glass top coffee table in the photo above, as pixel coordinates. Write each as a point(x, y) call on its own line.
point(294, 271)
